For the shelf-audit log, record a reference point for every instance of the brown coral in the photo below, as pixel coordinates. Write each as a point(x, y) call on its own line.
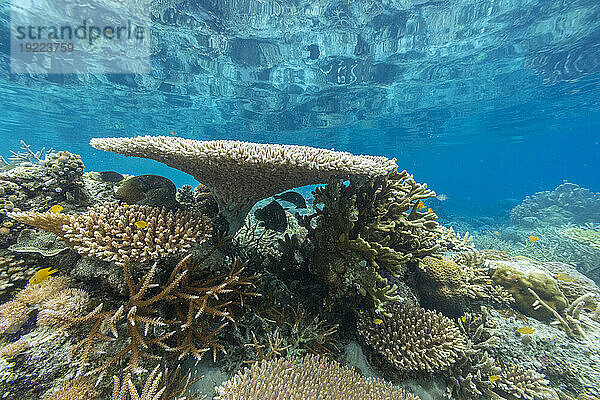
point(13, 270)
point(240, 173)
point(119, 234)
point(413, 339)
point(204, 305)
point(308, 378)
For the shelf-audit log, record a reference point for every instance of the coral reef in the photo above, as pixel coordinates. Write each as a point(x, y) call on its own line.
point(413, 339)
point(203, 305)
point(567, 204)
point(12, 271)
point(469, 377)
point(45, 243)
point(119, 234)
point(310, 378)
point(240, 173)
point(42, 182)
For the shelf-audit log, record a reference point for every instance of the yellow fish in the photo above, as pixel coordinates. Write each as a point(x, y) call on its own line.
point(494, 378)
point(141, 224)
point(125, 205)
point(564, 277)
point(497, 234)
point(488, 282)
point(464, 318)
point(378, 321)
point(429, 209)
point(420, 205)
point(41, 275)
point(526, 330)
point(173, 133)
point(533, 239)
point(56, 209)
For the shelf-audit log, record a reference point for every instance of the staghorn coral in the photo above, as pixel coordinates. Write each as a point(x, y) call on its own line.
point(75, 389)
point(138, 314)
point(240, 173)
point(588, 234)
point(109, 231)
point(413, 339)
point(159, 385)
point(516, 382)
point(308, 378)
point(366, 231)
point(203, 306)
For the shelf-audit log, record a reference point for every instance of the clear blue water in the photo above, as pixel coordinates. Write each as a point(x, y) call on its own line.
point(484, 100)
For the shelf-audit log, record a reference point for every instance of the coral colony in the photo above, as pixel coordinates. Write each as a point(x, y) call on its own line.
point(120, 287)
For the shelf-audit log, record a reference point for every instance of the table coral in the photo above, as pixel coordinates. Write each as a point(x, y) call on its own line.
point(241, 173)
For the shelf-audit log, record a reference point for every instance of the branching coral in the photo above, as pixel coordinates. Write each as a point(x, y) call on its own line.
point(516, 382)
point(308, 378)
point(112, 232)
point(368, 230)
point(137, 313)
point(200, 303)
point(413, 339)
point(570, 320)
point(469, 377)
point(240, 173)
point(158, 386)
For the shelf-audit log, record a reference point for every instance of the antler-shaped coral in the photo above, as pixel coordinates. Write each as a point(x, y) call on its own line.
point(201, 301)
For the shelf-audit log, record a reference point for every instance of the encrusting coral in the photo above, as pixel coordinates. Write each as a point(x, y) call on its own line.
point(241, 173)
point(115, 233)
point(308, 378)
point(413, 339)
point(12, 270)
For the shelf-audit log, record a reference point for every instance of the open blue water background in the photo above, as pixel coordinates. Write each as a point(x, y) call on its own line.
point(486, 101)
